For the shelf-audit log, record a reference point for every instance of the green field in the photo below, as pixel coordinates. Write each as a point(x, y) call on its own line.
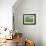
point(28, 19)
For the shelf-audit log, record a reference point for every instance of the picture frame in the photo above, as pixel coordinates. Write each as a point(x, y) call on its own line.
point(29, 19)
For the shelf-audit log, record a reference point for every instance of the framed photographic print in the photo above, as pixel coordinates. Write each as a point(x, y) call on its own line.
point(29, 19)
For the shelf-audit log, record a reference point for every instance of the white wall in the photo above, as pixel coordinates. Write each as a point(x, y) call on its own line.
point(43, 22)
point(6, 13)
point(32, 32)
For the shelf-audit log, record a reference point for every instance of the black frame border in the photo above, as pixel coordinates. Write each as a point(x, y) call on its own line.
point(34, 19)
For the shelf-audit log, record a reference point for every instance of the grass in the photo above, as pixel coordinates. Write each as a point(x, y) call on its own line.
point(28, 19)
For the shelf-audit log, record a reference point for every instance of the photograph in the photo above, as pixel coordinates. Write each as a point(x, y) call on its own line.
point(29, 19)
point(22, 22)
